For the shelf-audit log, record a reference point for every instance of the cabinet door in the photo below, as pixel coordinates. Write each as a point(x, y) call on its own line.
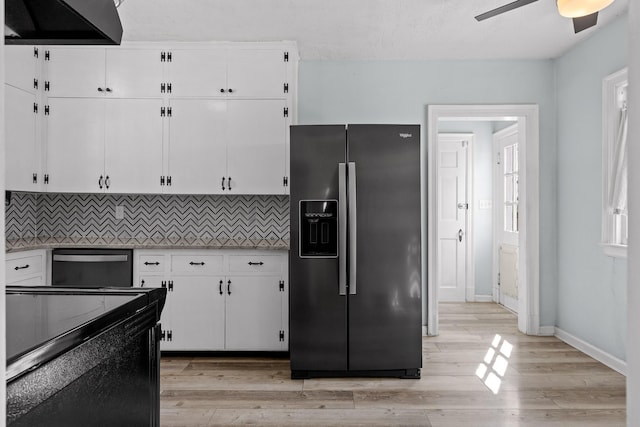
point(197, 146)
point(151, 281)
point(20, 67)
point(77, 72)
point(253, 73)
point(198, 73)
point(133, 145)
point(256, 158)
point(75, 144)
point(254, 313)
point(197, 313)
point(134, 72)
point(22, 154)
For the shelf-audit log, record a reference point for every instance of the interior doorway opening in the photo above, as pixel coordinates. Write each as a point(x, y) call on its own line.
point(526, 122)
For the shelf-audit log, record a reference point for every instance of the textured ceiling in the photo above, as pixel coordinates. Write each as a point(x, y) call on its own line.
point(365, 29)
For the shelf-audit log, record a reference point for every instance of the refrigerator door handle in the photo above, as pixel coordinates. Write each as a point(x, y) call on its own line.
point(342, 227)
point(353, 228)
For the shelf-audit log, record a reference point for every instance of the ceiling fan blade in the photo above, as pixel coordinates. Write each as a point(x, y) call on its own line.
point(502, 9)
point(585, 22)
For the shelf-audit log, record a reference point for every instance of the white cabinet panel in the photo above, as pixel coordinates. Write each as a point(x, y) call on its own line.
point(22, 149)
point(197, 72)
point(20, 67)
point(77, 72)
point(257, 146)
point(25, 268)
point(258, 264)
point(197, 314)
point(254, 309)
point(75, 144)
point(197, 146)
point(134, 72)
point(197, 264)
point(133, 145)
point(256, 73)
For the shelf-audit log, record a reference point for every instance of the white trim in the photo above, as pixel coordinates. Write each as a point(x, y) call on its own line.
point(424, 331)
point(600, 355)
point(611, 85)
point(529, 262)
point(547, 331)
point(482, 298)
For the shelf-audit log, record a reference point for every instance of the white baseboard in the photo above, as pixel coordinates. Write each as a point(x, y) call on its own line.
point(483, 298)
point(547, 331)
point(602, 356)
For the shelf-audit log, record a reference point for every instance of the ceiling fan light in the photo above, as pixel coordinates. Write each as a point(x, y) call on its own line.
point(579, 8)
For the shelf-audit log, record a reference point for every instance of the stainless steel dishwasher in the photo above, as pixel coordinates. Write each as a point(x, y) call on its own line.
point(92, 268)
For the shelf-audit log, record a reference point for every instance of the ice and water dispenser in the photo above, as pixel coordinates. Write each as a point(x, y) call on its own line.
point(318, 228)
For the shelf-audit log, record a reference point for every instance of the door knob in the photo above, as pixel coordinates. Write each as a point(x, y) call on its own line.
point(460, 233)
point(463, 205)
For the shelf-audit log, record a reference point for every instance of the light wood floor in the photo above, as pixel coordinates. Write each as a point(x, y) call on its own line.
point(546, 383)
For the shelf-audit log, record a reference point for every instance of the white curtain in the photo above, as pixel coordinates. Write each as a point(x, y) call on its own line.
point(618, 186)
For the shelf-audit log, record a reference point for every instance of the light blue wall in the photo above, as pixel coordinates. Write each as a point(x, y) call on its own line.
point(400, 91)
point(482, 190)
point(591, 286)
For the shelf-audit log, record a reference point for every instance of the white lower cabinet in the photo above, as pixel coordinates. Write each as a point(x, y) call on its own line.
point(217, 300)
point(26, 268)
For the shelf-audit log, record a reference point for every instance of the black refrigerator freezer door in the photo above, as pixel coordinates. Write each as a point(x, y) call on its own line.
point(318, 313)
point(385, 320)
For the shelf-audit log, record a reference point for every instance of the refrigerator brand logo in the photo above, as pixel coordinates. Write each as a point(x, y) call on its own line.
point(405, 135)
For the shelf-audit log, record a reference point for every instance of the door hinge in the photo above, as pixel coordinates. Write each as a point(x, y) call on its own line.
point(498, 157)
point(163, 112)
point(35, 108)
point(281, 283)
point(169, 57)
point(47, 55)
point(46, 178)
point(47, 86)
point(465, 143)
point(170, 285)
point(35, 178)
point(286, 57)
point(286, 88)
point(286, 112)
point(162, 87)
point(162, 180)
point(46, 110)
point(169, 180)
point(498, 279)
point(281, 335)
point(163, 57)
point(35, 83)
point(285, 181)
point(169, 111)
point(168, 87)
point(163, 284)
point(163, 335)
point(35, 52)
point(169, 335)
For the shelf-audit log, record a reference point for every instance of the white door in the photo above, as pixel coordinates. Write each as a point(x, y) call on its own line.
point(134, 73)
point(254, 313)
point(506, 217)
point(197, 313)
point(198, 73)
point(133, 145)
point(20, 67)
point(198, 146)
point(21, 147)
point(256, 150)
point(75, 145)
point(452, 217)
point(77, 72)
point(256, 73)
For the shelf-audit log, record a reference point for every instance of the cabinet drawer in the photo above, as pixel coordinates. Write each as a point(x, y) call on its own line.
point(197, 264)
point(32, 281)
point(255, 264)
point(21, 267)
point(151, 263)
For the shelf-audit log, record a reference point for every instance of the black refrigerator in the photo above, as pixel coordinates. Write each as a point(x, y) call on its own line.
point(355, 258)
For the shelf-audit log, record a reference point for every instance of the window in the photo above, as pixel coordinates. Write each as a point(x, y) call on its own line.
point(510, 177)
point(615, 231)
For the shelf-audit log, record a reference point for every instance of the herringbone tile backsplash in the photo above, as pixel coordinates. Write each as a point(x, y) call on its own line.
point(148, 217)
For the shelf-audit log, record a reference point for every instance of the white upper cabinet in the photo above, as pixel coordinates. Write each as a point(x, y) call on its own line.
point(197, 72)
point(197, 155)
point(21, 64)
point(22, 168)
point(256, 151)
point(111, 72)
point(237, 73)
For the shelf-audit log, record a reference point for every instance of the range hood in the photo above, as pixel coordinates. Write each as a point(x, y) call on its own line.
point(61, 22)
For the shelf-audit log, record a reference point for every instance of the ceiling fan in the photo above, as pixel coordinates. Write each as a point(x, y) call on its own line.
point(583, 12)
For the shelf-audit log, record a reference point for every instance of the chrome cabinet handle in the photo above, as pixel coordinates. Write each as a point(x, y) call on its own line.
point(353, 227)
point(342, 228)
point(460, 233)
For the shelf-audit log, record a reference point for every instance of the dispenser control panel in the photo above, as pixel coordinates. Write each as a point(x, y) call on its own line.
point(318, 228)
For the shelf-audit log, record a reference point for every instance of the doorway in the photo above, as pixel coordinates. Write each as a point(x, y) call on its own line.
point(527, 257)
